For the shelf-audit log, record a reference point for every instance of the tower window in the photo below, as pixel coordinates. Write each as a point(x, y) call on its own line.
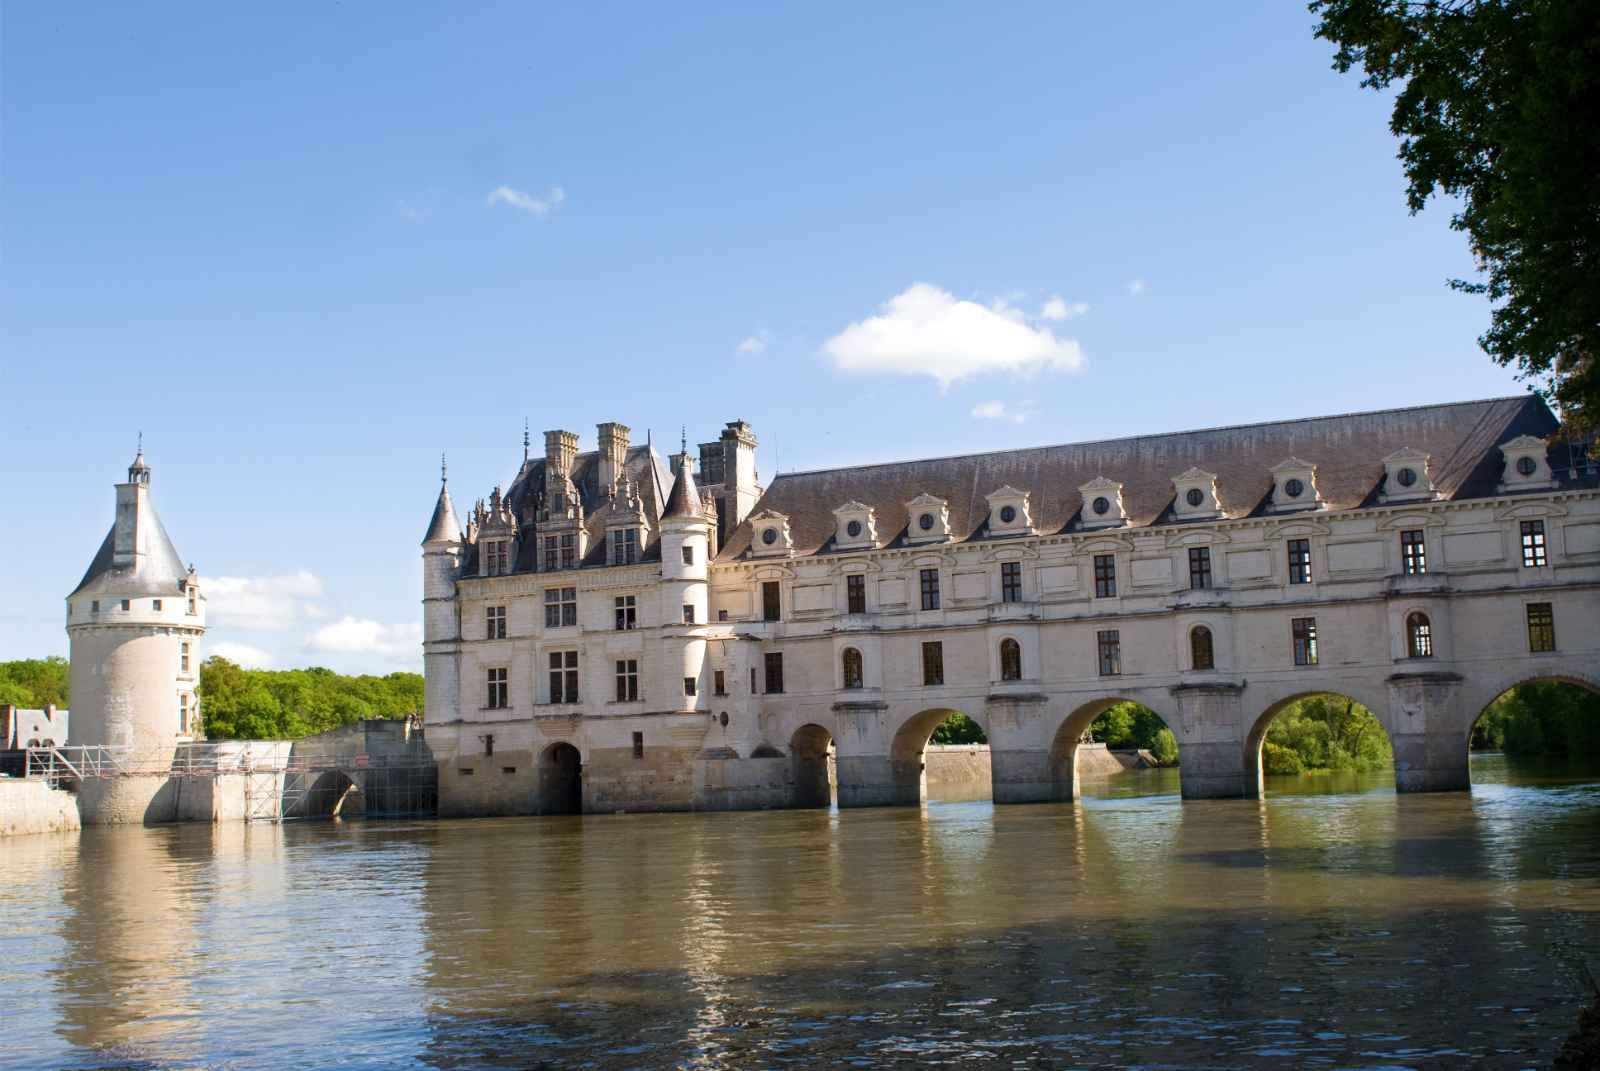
point(184, 713)
point(193, 608)
point(1413, 552)
point(933, 663)
point(1299, 561)
point(563, 676)
point(1541, 627)
point(688, 554)
point(1303, 630)
point(494, 622)
point(627, 680)
point(183, 658)
point(499, 690)
point(855, 593)
point(688, 613)
point(1010, 660)
point(689, 686)
point(1202, 654)
point(126, 605)
point(1010, 581)
point(627, 612)
point(1533, 545)
point(94, 606)
point(155, 604)
point(560, 607)
point(930, 589)
point(1105, 575)
point(719, 682)
point(1419, 636)
point(1199, 568)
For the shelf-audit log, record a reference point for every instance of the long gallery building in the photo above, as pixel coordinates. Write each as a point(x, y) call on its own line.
point(611, 632)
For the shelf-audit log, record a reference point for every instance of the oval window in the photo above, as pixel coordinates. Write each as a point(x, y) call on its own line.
point(1008, 514)
point(853, 529)
point(769, 536)
point(925, 522)
point(1527, 466)
point(1102, 505)
point(1195, 496)
point(1407, 477)
point(1294, 488)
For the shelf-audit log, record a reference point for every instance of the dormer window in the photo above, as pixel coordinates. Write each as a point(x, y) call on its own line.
point(1294, 486)
point(624, 546)
point(1008, 512)
point(855, 526)
point(496, 557)
point(1405, 477)
point(929, 519)
point(1526, 466)
point(1102, 504)
point(1196, 495)
point(770, 534)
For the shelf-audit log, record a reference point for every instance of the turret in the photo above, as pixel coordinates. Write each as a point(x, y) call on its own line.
point(442, 549)
point(134, 625)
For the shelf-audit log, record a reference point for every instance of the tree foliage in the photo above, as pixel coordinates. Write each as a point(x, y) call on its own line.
point(35, 682)
point(958, 729)
point(1131, 725)
point(1543, 718)
point(259, 704)
point(1497, 104)
point(1325, 732)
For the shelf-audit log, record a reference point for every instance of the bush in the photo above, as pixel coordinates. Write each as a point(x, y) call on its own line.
point(1329, 732)
point(1277, 759)
point(1165, 748)
point(1542, 718)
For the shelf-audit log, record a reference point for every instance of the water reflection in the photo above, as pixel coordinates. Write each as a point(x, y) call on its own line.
point(1126, 929)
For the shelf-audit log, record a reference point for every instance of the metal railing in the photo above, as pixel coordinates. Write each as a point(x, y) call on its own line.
point(82, 762)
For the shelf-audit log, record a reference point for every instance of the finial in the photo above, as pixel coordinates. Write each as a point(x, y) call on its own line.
point(525, 440)
point(140, 450)
point(683, 438)
point(444, 469)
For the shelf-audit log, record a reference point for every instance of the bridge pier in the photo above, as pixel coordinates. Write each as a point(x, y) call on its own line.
point(1217, 770)
point(876, 781)
point(1027, 777)
point(1425, 730)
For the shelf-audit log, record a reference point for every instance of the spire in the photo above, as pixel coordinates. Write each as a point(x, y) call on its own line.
point(526, 441)
point(443, 527)
point(684, 501)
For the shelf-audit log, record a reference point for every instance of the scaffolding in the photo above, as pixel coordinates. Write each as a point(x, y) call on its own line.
point(280, 781)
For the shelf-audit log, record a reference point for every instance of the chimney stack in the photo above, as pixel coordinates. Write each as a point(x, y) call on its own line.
point(613, 452)
point(560, 449)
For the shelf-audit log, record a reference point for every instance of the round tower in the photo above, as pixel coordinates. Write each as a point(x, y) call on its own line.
point(134, 625)
point(685, 547)
point(441, 626)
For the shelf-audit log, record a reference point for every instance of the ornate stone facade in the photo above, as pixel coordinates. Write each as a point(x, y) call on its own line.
point(745, 646)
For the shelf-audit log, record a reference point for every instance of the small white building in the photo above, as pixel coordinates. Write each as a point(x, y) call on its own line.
point(24, 728)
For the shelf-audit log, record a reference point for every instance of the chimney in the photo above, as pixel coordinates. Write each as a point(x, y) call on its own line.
point(613, 452)
point(739, 487)
point(560, 448)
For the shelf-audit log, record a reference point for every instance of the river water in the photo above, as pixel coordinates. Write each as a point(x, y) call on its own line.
point(1334, 924)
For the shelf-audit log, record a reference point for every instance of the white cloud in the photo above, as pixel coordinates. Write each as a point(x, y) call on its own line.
point(241, 654)
point(756, 343)
point(267, 603)
point(928, 331)
point(998, 411)
point(527, 202)
point(1136, 287)
point(1058, 308)
point(354, 635)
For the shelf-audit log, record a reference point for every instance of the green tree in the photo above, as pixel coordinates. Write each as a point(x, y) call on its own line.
point(1498, 106)
point(958, 729)
point(1541, 719)
point(1325, 732)
point(36, 682)
point(257, 704)
point(1133, 725)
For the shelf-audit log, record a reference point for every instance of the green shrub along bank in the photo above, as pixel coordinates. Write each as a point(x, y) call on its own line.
point(1325, 732)
point(264, 704)
point(1545, 719)
point(1129, 725)
point(34, 683)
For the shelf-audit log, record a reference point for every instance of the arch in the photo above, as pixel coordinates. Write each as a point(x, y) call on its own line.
point(813, 766)
point(560, 780)
point(1070, 734)
point(330, 795)
point(1419, 635)
point(906, 751)
point(852, 668)
point(1588, 728)
point(1010, 660)
point(1202, 651)
point(1256, 739)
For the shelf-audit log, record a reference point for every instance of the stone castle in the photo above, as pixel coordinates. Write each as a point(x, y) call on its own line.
point(612, 632)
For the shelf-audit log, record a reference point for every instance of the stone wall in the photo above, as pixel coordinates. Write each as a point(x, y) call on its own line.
point(35, 807)
point(957, 771)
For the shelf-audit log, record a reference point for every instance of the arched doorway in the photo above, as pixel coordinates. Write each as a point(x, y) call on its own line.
point(1543, 728)
point(1107, 737)
point(1318, 742)
point(812, 767)
point(964, 773)
point(561, 780)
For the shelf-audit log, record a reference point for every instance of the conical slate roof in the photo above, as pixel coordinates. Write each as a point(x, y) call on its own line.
point(157, 567)
point(443, 528)
point(684, 501)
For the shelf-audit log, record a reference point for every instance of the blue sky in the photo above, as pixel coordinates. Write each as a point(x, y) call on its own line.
point(307, 249)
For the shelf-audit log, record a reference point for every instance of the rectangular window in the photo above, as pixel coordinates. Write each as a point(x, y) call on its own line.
point(769, 600)
point(688, 554)
point(689, 686)
point(688, 613)
point(183, 712)
point(563, 676)
point(1199, 568)
point(1299, 561)
point(495, 622)
point(496, 557)
point(638, 745)
point(552, 553)
point(1541, 627)
point(930, 589)
point(627, 680)
point(752, 680)
point(126, 604)
point(183, 658)
point(1413, 552)
point(569, 551)
point(499, 690)
point(855, 593)
point(1108, 643)
point(560, 607)
point(1304, 631)
point(933, 663)
point(193, 607)
point(488, 745)
point(719, 682)
point(94, 607)
point(1010, 581)
point(155, 604)
point(1105, 575)
point(627, 612)
point(624, 546)
point(1533, 548)
point(774, 663)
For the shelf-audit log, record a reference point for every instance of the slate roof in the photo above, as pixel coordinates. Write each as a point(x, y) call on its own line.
point(1347, 450)
point(684, 501)
point(157, 570)
point(443, 526)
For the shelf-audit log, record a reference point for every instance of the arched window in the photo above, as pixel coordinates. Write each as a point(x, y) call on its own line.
point(1201, 653)
point(1010, 660)
point(1419, 636)
point(853, 677)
